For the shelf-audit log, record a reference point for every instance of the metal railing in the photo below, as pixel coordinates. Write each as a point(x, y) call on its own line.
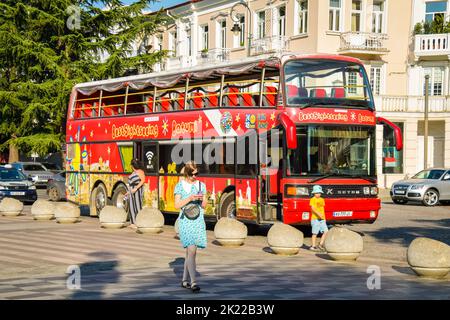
point(274, 44)
point(363, 41)
point(213, 55)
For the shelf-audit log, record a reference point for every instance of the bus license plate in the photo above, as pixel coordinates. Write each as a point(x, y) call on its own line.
point(342, 214)
point(15, 193)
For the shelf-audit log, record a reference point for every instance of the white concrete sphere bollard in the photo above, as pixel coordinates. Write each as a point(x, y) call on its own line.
point(230, 232)
point(43, 210)
point(284, 239)
point(67, 212)
point(429, 258)
point(112, 217)
point(10, 207)
point(343, 244)
point(149, 220)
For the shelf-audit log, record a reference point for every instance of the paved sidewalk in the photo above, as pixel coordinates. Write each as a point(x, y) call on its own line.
point(121, 264)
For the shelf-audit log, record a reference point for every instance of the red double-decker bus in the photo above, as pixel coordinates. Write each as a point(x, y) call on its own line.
point(263, 130)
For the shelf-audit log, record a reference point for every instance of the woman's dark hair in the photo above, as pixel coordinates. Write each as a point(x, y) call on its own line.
point(137, 164)
point(189, 167)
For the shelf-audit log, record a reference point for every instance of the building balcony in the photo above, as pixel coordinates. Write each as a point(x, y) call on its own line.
point(275, 44)
point(363, 43)
point(213, 55)
point(178, 62)
point(412, 103)
point(431, 45)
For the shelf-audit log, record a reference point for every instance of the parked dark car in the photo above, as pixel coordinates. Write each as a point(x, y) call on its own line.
point(14, 184)
point(53, 167)
point(34, 170)
point(56, 187)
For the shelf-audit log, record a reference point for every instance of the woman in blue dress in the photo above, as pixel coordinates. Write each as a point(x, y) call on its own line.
point(192, 232)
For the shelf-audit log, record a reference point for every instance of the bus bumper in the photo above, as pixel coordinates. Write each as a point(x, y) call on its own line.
point(356, 210)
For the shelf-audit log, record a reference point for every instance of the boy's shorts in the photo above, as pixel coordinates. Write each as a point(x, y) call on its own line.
point(319, 226)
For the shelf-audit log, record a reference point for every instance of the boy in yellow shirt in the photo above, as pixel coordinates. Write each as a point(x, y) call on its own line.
point(318, 220)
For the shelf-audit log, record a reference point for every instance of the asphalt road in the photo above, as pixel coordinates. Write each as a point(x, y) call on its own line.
point(123, 264)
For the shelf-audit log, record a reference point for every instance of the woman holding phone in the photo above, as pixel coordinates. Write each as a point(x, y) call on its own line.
point(192, 231)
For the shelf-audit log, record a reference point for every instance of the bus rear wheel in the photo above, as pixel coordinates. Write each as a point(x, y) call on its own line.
point(118, 198)
point(227, 206)
point(98, 200)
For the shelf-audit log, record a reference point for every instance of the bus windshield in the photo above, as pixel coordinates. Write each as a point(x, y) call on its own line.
point(312, 82)
point(333, 150)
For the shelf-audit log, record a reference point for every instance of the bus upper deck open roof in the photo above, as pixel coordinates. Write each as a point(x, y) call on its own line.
point(170, 78)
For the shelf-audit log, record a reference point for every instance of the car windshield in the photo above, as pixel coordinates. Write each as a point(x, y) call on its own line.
point(34, 167)
point(326, 82)
point(11, 175)
point(429, 174)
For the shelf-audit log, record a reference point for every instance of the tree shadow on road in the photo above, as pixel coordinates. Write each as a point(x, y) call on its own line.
point(406, 235)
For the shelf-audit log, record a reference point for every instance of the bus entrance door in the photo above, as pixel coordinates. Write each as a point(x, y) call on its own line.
point(270, 176)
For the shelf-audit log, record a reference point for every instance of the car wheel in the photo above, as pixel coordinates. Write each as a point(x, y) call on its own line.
point(53, 194)
point(431, 197)
point(399, 201)
point(118, 199)
point(227, 206)
point(98, 200)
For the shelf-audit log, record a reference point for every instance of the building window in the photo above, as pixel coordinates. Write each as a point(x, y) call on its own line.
point(223, 34)
point(189, 42)
point(352, 82)
point(303, 16)
point(159, 42)
point(392, 158)
point(261, 25)
point(434, 9)
point(173, 43)
point(436, 83)
point(239, 39)
point(335, 15)
point(356, 15)
point(375, 80)
point(378, 16)
point(204, 37)
point(282, 21)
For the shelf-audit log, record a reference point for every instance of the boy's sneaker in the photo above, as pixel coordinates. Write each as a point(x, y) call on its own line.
point(322, 248)
point(315, 249)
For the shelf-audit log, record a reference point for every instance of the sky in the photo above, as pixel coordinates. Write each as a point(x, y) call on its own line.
point(158, 4)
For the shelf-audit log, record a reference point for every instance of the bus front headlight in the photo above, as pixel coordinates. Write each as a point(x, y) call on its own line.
point(373, 191)
point(297, 191)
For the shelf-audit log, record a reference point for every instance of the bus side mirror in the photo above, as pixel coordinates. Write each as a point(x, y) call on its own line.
point(398, 139)
point(290, 129)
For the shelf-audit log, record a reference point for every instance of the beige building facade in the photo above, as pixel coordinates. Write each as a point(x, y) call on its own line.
point(378, 32)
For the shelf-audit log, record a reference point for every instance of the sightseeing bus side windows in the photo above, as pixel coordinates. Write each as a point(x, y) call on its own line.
point(218, 157)
point(246, 154)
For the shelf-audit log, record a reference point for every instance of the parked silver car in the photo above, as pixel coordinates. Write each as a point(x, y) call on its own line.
point(34, 170)
point(429, 186)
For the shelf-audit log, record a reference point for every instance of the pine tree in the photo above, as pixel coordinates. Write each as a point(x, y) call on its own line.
point(47, 46)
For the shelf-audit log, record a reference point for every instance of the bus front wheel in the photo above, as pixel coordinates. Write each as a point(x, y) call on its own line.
point(118, 198)
point(227, 206)
point(98, 200)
